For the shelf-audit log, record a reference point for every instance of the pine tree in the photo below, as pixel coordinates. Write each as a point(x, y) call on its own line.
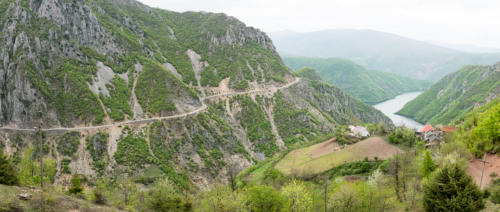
point(8, 174)
point(428, 165)
point(76, 186)
point(450, 189)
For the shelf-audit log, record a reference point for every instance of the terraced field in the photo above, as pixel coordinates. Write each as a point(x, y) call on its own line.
point(307, 161)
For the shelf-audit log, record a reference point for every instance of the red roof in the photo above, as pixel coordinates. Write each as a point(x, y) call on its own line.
point(448, 129)
point(427, 128)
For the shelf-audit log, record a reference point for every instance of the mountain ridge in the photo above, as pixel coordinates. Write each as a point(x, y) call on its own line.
point(380, 51)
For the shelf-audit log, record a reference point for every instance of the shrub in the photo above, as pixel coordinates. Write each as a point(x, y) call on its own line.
point(164, 198)
point(493, 174)
point(495, 194)
point(403, 135)
point(8, 175)
point(76, 187)
point(99, 197)
point(264, 198)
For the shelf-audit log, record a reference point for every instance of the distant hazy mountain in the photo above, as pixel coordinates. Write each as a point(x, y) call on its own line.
point(379, 50)
point(370, 86)
point(467, 48)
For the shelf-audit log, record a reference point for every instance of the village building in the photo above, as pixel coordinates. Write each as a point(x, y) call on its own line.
point(359, 131)
point(433, 136)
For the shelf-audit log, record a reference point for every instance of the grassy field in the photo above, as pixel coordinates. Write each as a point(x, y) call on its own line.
point(301, 162)
point(53, 201)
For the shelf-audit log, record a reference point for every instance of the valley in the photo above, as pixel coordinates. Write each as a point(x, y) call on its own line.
point(162, 106)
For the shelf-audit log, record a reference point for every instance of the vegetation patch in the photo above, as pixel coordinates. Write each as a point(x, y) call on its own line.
point(68, 143)
point(258, 127)
point(118, 99)
point(97, 145)
point(294, 125)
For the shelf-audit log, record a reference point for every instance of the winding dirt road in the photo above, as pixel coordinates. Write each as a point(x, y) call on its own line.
point(202, 108)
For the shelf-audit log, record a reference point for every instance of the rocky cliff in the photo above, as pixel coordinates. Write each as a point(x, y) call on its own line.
point(127, 90)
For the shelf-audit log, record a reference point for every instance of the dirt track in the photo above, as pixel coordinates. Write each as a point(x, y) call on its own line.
point(202, 108)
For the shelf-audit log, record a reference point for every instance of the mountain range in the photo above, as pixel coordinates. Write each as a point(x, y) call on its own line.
point(380, 51)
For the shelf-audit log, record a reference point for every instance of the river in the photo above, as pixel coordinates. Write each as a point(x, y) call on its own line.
point(391, 106)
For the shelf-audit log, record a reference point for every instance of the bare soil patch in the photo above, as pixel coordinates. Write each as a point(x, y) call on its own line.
point(325, 148)
point(476, 167)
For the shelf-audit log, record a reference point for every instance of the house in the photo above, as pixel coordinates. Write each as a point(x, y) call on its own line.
point(426, 129)
point(359, 131)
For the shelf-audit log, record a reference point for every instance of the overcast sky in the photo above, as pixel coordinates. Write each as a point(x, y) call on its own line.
point(472, 22)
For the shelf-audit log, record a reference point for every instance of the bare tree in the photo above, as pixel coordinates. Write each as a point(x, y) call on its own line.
point(232, 172)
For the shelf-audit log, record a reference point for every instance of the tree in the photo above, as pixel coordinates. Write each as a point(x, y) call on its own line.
point(8, 175)
point(341, 134)
point(450, 189)
point(400, 171)
point(346, 199)
point(221, 198)
point(27, 168)
point(263, 198)
point(127, 190)
point(428, 165)
point(163, 197)
point(76, 186)
point(403, 135)
point(232, 173)
point(298, 197)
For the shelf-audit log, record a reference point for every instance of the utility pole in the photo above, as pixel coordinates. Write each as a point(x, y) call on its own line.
point(482, 172)
point(41, 154)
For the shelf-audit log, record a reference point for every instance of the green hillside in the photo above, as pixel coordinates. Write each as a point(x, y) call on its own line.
point(370, 86)
point(455, 95)
point(480, 128)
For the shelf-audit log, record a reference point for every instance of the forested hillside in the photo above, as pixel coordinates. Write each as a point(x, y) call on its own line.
point(455, 95)
point(370, 86)
point(480, 128)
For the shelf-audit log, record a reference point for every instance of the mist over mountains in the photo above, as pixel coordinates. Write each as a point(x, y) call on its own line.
point(380, 51)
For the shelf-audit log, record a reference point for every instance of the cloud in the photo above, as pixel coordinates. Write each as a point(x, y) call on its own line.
point(451, 21)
